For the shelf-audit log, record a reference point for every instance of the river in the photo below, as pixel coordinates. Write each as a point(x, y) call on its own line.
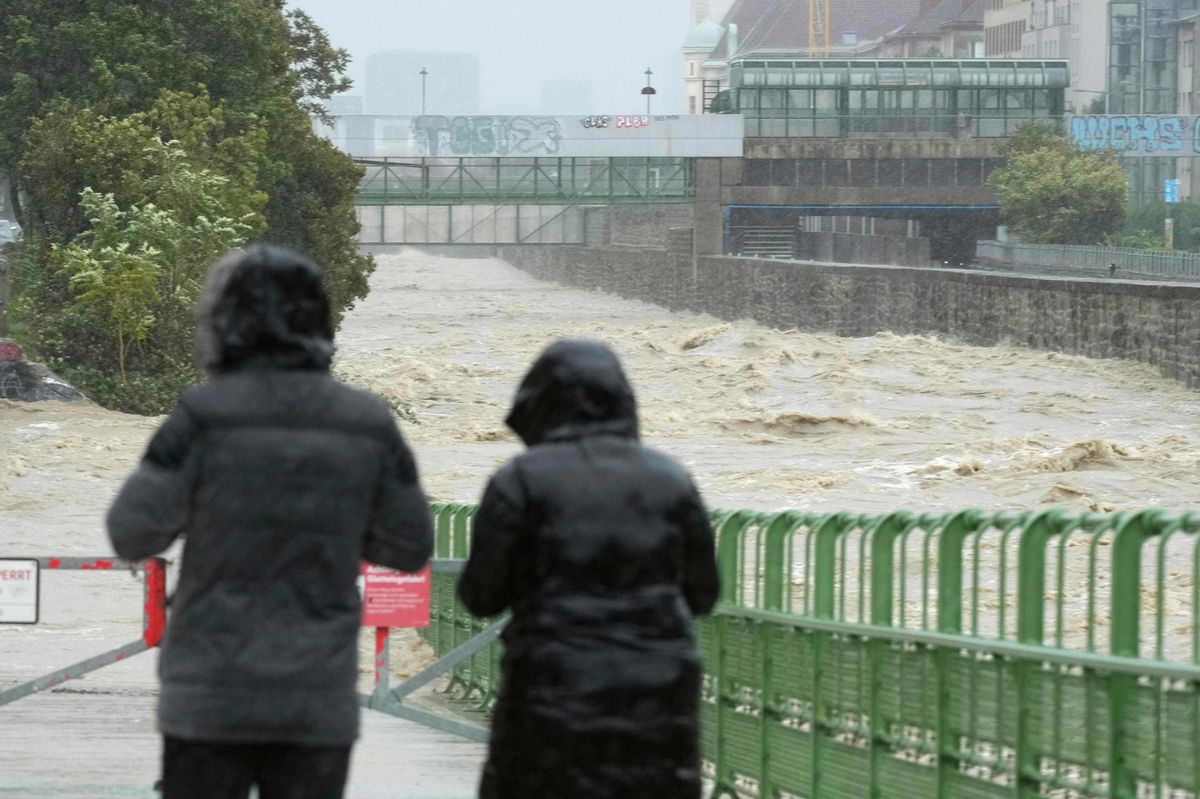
point(765, 419)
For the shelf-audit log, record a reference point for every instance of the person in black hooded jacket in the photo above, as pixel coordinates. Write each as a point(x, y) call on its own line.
point(281, 479)
point(603, 552)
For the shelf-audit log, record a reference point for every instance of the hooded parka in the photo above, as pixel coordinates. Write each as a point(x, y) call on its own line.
point(280, 479)
point(602, 551)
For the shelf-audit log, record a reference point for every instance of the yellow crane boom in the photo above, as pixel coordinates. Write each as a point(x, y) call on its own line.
point(818, 28)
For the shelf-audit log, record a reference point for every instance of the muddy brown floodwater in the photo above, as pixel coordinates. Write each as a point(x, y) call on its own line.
point(765, 419)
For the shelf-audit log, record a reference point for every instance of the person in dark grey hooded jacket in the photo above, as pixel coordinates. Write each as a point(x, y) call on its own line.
point(281, 480)
point(602, 551)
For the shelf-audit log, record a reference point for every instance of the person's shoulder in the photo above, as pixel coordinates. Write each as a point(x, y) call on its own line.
point(327, 401)
point(367, 403)
point(663, 464)
point(361, 408)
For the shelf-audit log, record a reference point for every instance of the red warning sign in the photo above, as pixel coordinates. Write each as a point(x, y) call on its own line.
point(392, 598)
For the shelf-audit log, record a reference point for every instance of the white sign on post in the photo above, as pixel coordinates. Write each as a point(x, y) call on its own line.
point(19, 592)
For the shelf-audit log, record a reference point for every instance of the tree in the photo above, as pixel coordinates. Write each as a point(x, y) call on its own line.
point(192, 121)
point(1144, 227)
point(319, 68)
point(261, 65)
point(1054, 192)
point(126, 282)
point(112, 274)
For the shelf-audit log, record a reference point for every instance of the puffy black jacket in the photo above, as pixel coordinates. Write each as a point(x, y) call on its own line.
point(281, 479)
point(602, 551)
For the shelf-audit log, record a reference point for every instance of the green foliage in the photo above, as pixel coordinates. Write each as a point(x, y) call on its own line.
point(1034, 136)
point(114, 273)
point(1138, 240)
point(181, 114)
point(318, 67)
point(1147, 224)
point(139, 266)
point(118, 294)
point(71, 149)
point(1053, 192)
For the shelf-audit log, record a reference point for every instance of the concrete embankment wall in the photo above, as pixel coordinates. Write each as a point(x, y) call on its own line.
point(1157, 324)
point(853, 248)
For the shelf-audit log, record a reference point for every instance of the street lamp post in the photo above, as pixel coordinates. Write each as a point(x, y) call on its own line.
point(424, 74)
point(648, 90)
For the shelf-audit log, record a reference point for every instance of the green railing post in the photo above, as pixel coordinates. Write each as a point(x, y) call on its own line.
point(824, 571)
point(1125, 638)
point(954, 534)
point(1031, 608)
point(779, 532)
point(729, 563)
point(883, 542)
point(729, 553)
point(824, 574)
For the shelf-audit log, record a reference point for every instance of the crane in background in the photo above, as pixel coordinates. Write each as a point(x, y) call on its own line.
point(818, 28)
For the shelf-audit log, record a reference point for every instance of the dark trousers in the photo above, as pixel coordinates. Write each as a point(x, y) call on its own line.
point(198, 770)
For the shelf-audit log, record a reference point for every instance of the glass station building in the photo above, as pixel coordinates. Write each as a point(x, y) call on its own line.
point(803, 97)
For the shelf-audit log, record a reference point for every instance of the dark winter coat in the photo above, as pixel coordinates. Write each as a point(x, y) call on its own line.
point(281, 479)
point(602, 551)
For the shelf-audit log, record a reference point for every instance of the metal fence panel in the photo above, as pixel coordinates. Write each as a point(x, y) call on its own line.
point(1092, 261)
point(961, 655)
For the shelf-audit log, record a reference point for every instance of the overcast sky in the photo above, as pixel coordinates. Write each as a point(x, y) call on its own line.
point(523, 43)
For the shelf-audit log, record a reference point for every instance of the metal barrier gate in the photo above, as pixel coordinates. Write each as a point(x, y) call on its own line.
point(905, 655)
point(154, 619)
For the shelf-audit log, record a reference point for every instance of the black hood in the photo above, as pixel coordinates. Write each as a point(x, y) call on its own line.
point(575, 388)
point(264, 307)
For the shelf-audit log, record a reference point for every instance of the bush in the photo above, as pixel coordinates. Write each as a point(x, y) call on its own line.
point(1147, 223)
point(1052, 191)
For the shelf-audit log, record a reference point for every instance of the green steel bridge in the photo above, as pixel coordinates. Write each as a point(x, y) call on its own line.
point(524, 181)
point(506, 200)
point(962, 655)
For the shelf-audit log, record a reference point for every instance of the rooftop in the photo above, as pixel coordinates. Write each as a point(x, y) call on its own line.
point(782, 25)
point(942, 13)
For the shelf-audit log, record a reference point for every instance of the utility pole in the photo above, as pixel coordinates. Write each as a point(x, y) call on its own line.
point(649, 90)
point(424, 74)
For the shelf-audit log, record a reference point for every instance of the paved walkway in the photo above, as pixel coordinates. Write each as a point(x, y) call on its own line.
point(95, 737)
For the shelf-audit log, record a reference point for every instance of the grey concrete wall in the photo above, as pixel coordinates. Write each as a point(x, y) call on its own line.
point(647, 225)
point(854, 248)
point(637, 225)
point(1158, 324)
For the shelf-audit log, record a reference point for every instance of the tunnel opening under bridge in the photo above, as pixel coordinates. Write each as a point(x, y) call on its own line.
point(792, 230)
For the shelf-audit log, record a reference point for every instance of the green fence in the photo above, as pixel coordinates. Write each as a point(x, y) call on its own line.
point(907, 655)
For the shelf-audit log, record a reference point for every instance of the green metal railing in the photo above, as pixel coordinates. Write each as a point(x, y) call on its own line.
point(524, 181)
point(960, 655)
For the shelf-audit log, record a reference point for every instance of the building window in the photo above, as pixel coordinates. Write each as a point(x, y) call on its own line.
point(692, 69)
point(691, 105)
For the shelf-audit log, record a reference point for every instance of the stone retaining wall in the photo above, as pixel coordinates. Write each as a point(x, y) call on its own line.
point(1158, 324)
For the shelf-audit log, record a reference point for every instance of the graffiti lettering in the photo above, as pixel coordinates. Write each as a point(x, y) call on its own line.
point(497, 136)
point(594, 122)
point(1140, 135)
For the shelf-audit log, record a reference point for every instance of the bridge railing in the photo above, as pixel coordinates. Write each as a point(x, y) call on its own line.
point(967, 654)
point(1095, 261)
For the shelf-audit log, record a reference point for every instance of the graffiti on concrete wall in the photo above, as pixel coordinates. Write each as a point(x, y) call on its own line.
point(1139, 135)
point(487, 135)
